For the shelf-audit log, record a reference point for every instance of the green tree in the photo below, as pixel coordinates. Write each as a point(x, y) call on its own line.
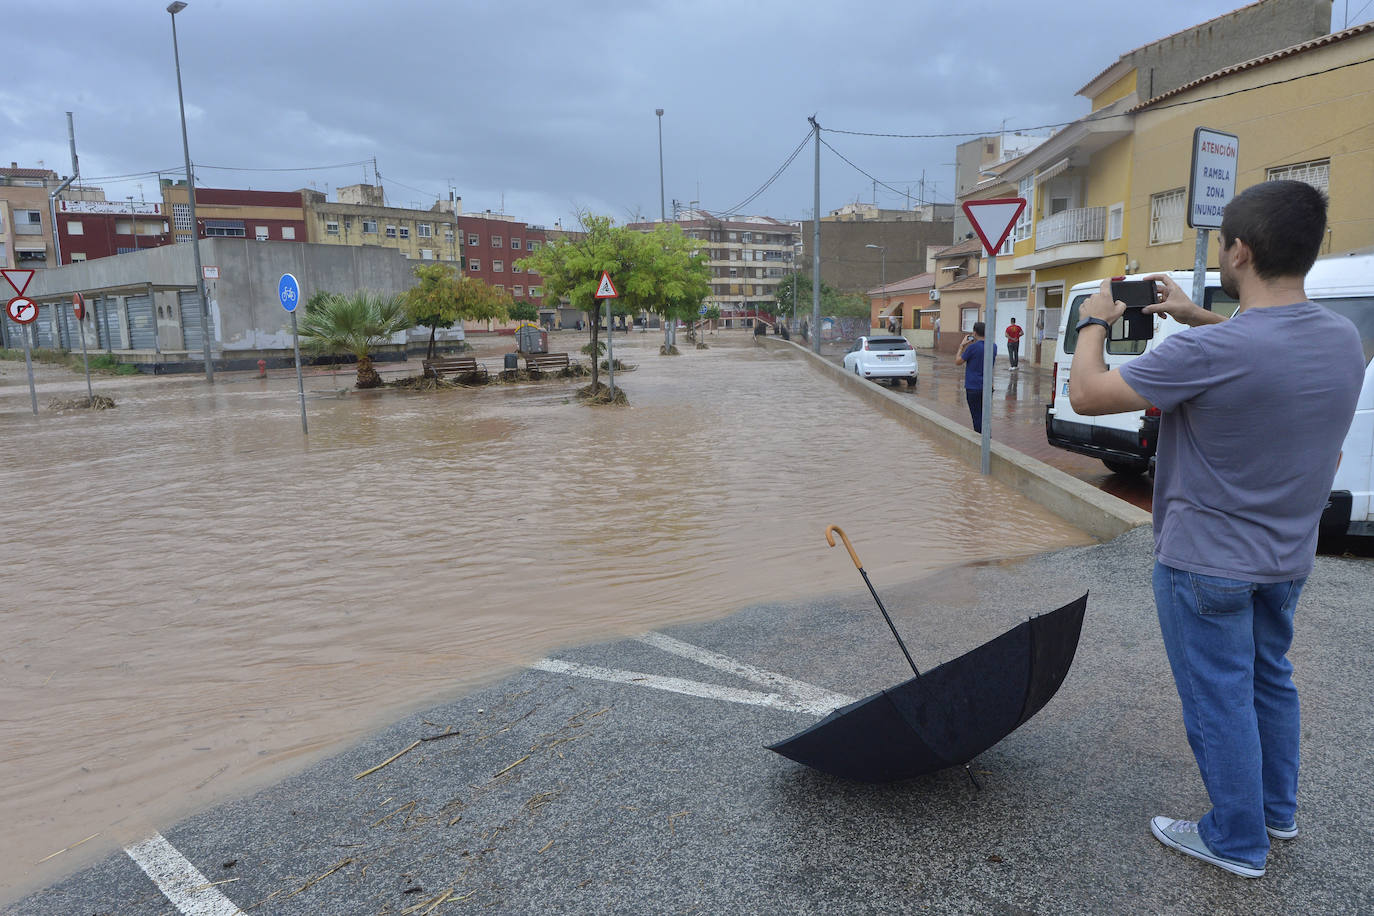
point(444, 297)
point(523, 311)
point(652, 272)
point(353, 323)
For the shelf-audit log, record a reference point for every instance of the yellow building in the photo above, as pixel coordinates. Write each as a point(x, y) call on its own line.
point(1306, 112)
point(361, 217)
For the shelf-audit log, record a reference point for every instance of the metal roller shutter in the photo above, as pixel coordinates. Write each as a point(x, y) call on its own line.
point(107, 315)
point(44, 326)
point(189, 303)
point(142, 322)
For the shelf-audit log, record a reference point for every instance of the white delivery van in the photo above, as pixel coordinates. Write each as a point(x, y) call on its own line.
point(1125, 442)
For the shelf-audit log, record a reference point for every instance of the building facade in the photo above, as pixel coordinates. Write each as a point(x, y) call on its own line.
point(90, 229)
point(26, 238)
point(262, 216)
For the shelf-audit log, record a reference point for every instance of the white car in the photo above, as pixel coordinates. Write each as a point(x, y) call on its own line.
point(890, 357)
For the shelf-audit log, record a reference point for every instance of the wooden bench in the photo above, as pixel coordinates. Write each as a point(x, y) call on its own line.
point(454, 365)
point(539, 363)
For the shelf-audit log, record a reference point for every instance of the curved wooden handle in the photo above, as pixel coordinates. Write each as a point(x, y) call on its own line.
point(830, 539)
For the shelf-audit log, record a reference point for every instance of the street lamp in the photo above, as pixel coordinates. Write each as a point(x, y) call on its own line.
point(882, 281)
point(205, 331)
point(668, 333)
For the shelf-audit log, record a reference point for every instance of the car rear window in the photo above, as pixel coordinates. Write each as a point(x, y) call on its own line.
point(889, 343)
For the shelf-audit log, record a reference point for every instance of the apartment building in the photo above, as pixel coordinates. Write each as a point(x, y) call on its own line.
point(90, 229)
point(276, 216)
point(26, 238)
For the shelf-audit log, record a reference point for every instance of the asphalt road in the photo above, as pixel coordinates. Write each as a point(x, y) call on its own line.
point(558, 792)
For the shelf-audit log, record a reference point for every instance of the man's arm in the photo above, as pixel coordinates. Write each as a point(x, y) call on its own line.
point(959, 354)
point(1093, 390)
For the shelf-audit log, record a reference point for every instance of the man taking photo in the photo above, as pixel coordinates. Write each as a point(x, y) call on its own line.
point(1247, 451)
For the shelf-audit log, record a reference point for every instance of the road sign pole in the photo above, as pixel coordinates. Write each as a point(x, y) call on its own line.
point(81, 329)
point(1200, 267)
point(610, 349)
point(28, 364)
point(300, 381)
point(989, 362)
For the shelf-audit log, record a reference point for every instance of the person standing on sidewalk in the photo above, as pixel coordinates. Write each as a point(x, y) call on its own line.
point(1013, 333)
point(970, 356)
point(1236, 508)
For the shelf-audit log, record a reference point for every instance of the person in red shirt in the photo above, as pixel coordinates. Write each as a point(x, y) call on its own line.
point(1014, 333)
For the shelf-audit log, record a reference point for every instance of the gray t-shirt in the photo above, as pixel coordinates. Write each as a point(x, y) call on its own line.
point(1254, 413)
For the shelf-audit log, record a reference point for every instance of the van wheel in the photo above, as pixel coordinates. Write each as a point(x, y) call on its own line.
point(1124, 468)
point(911, 382)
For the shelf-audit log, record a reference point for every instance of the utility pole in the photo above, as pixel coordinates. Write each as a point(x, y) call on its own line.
point(816, 247)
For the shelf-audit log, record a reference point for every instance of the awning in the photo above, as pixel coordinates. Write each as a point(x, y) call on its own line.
point(1046, 174)
point(36, 248)
point(892, 310)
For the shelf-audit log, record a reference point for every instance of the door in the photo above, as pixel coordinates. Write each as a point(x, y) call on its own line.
point(142, 322)
point(188, 301)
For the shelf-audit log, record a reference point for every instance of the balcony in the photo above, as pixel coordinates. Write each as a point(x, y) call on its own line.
point(1066, 237)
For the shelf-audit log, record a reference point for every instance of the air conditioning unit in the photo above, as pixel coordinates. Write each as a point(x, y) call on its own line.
point(934, 295)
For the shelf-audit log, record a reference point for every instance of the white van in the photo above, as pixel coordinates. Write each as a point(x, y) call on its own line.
point(1126, 442)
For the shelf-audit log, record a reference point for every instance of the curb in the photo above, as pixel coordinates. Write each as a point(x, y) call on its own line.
point(1100, 514)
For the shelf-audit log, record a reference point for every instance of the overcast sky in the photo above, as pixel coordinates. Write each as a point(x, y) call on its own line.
point(546, 109)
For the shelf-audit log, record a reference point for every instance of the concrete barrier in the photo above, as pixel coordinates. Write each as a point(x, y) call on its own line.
point(1100, 514)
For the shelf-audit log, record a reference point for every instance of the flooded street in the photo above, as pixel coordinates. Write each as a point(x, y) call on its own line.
point(197, 600)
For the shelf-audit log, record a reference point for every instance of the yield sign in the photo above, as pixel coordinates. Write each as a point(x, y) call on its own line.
point(993, 219)
point(606, 289)
point(19, 279)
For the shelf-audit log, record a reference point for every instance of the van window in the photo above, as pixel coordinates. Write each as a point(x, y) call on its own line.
point(1114, 347)
point(1217, 300)
point(1361, 311)
point(1071, 329)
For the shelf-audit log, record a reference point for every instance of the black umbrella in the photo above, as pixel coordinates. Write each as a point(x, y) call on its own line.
point(950, 714)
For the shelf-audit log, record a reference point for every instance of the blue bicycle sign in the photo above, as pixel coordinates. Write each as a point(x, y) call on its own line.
point(289, 291)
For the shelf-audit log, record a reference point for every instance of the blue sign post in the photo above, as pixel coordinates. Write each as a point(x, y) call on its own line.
point(289, 292)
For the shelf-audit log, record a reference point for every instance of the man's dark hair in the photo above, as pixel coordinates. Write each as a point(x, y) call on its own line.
point(979, 329)
point(1283, 222)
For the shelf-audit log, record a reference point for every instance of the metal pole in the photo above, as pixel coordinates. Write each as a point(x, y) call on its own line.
point(300, 382)
point(610, 349)
point(1200, 267)
point(205, 328)
point(989, 328)
point(81, 330)
point(816, 247)
point(28, 364)
point(669, 328)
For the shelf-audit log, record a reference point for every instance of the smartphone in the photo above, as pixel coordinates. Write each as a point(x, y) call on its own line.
point(1136, 294)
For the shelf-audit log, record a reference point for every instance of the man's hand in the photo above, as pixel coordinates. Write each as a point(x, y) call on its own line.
point(1176, 304)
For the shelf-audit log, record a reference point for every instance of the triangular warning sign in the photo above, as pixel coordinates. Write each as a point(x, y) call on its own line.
point(993, 219)
point(19, 279)
point(607, 289)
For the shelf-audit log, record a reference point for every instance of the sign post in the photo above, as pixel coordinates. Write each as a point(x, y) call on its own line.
point(289, 292)
point(79, 307)
point(22, 312)
point(1211, 185)
point(992, 220)
point(606, 290)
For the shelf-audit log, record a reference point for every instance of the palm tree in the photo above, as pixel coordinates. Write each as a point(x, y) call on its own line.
point(354, 323)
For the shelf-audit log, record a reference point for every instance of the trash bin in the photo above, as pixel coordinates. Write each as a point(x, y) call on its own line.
point(512, 360)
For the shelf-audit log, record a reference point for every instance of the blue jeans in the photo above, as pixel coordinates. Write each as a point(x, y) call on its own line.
point(1227, 642)
point(975, 407)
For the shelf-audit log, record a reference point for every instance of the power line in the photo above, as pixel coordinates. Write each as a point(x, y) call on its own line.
point(772, 178)
point(832, 149)
point(312, 168)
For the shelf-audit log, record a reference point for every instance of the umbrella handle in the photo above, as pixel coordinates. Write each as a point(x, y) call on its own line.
point(830, 539)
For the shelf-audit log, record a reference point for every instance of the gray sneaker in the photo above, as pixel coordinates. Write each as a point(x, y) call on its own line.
point(1283, 833)
point(1183, 836)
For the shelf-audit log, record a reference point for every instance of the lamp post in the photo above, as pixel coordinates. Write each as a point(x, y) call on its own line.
point(668, 332)
point(205, 330)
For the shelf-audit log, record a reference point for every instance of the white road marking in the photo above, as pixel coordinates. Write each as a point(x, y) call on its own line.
point(179, 880)
point(690, 688)
point(781, 682)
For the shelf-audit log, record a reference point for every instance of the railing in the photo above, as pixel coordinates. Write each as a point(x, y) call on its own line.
point(1066, 226)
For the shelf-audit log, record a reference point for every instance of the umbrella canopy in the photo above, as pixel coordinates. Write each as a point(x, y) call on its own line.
point(950, 714)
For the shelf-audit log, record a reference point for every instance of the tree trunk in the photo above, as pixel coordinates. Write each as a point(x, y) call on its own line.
point(430, 353)
point(596, 356)
point(367, 376)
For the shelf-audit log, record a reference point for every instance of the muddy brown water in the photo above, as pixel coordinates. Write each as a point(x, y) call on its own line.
point(198, 601)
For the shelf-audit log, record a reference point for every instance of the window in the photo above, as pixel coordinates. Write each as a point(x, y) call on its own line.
point(181, 220)
point(1024, 222)
point(1317, 173)
point(474, 264)
point(448, 235)
point(78, 256)
point(405, 232)
point(536, 292)
point(500, 286)
point(531, 245)
point(390, 232)
point(517, 290)
point(1115, 218)
point(75, 228)
point(225, 228)
point(496, 241)
point(967, 317)
point(260, 233)
point(331, 227)
point(1166, 216)
point(288, 233)
point(423, 230)
point(427, 254)
point(369, 227)
point(515, 243)
point(33, 217)
point(515, 267)
point(498, 266)
point(474, 240)
point(734, 272)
